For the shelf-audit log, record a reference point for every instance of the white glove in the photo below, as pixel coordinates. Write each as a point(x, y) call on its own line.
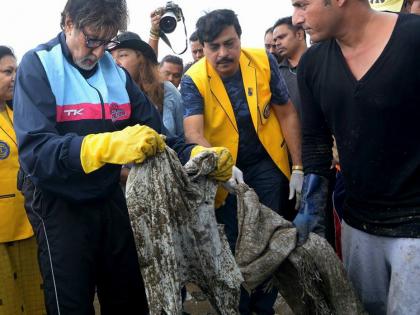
point(295, 186)
point(237, 178)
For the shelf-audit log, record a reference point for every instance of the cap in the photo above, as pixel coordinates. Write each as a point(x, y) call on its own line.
point(133, 41)
point(387, 5)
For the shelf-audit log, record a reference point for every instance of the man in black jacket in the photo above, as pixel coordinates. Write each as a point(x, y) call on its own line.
point(78, 118)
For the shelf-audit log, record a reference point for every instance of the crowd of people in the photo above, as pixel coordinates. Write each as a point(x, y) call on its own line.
point(320, 122)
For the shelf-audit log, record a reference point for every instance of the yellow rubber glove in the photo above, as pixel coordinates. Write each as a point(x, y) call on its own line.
point(223, 172)
point(132, 144)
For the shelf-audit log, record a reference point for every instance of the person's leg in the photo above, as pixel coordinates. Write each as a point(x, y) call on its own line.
point(269, 183)
point(366, 265)
point(404, 257)
point(67, 237)
point(338, 197)
point(21, 283)
point(272, 188)
point(29, 276)
point(228, 216)
point(120, 284)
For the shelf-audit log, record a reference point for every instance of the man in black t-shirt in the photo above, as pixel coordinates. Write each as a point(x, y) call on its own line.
point(360, 83)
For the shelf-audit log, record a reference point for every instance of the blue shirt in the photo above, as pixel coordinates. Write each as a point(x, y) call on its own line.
point(250, 149)
point(173, 110)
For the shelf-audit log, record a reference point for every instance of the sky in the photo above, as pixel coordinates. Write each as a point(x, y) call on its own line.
point(26, 23)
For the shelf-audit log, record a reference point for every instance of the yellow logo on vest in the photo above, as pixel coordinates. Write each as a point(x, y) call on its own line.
point(387, 5)
point(4, 150)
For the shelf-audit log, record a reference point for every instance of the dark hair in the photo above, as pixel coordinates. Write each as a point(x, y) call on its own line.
point(6, 51)
point(150, 82)
point(97, 14)
point(172, 59)
point(133, 41)
point(213, 23)
point(269, 30)
point(194, 37)
point(288, 21)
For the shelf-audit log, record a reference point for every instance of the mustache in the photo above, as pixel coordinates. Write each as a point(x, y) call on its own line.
point(224, 60)
point(90, 58)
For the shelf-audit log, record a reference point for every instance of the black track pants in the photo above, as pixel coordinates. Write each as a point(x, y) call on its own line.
point(83, 247)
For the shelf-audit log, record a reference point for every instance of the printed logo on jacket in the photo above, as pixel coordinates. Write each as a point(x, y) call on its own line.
point(102, 96)
point(4, 150)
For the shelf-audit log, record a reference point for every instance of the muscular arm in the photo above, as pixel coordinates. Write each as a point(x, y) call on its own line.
point(290, 125)
point(194, 130)
point(316, 136)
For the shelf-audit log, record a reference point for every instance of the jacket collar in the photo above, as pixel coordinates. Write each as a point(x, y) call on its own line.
point(250, 86)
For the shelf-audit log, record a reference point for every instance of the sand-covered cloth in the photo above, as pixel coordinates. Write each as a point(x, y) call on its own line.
point(176, 234)
point(178, 241)
point(310, 278)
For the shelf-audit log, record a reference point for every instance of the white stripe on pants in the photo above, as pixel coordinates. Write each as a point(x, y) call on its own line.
point(385, 271)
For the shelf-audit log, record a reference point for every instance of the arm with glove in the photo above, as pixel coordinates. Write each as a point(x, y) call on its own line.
point(145, 112)
point(311, 216)
point(290, 125)
point(132, 144)
point(316, 156)
point(295, 184)
point(223, 171)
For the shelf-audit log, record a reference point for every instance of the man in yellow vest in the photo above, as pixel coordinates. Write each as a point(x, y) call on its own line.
point(236, 98)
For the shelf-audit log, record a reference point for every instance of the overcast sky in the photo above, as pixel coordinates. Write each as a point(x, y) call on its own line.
point(26, 23)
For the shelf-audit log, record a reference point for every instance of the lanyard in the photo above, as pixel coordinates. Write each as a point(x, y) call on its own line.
point(7, 118)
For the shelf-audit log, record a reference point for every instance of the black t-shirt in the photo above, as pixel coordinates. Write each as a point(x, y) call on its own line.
point(376, 122)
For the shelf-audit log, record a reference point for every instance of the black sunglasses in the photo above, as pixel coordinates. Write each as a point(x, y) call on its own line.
point(96, 42)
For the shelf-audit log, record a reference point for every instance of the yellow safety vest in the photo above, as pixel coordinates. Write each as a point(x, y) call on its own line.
point(14, 224)
point(220, 127)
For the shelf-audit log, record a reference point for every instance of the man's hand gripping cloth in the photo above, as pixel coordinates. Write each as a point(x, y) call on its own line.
point(176, 234)
point(310, 277)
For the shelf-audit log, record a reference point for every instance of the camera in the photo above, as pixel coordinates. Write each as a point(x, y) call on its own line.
point(171, 14)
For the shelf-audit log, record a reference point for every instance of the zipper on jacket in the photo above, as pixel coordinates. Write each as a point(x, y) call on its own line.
point(101, 99)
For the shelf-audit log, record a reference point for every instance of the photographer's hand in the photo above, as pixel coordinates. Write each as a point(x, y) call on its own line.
point(155, 17)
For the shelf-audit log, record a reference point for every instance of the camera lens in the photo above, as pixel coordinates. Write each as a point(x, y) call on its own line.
point(168, 22)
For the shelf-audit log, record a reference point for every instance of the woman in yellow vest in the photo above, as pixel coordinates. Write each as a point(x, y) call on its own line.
point(20, 279)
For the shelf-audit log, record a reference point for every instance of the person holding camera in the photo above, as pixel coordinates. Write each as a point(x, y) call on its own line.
point(164, 21)
point(236, 97)
point(154, 35)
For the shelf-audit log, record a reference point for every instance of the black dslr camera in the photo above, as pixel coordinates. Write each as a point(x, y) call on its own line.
point(171, 14)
